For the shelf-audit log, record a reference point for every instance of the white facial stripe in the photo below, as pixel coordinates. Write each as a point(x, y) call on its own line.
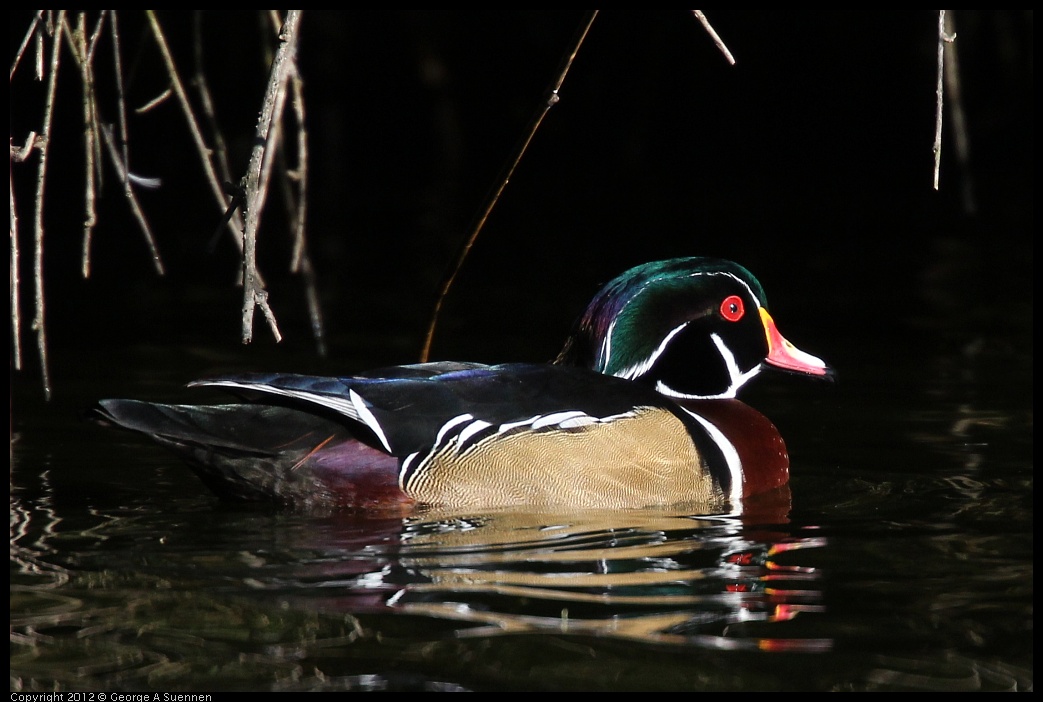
point(731, 457)
point(734, 374)
point(736, 377)
point(606, 344)
point(640, 368)
point(741, 282)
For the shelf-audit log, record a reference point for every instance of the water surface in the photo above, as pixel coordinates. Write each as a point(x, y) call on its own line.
point(899, 559)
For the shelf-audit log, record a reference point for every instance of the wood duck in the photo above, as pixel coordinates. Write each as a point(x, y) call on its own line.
point(638, 409)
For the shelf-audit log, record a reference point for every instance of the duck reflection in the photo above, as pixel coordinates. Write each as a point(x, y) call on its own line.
point(660, 575)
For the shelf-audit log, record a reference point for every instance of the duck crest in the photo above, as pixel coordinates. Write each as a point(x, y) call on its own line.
point(688, 326)
point(636, 410)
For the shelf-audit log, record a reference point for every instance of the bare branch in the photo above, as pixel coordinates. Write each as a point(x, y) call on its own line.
point(300, 173)
point(301, 260)
point(40, 47)
point(17, 155)
point(91, 46)
point(259, 170)
point(297, 206)
point(121, 102)
point(713, 35)
point(261, 300)
point(132, 199)
point(541, 112)
point(16, 317)
point(95, 35)
point(94, 136)
point(77, 41)
point(158, 100)
point(20, 154)
point(235, 224)
point(38, 324)
point(958, 118)
point(220, 150)
point(25, 41)
point(943, 39)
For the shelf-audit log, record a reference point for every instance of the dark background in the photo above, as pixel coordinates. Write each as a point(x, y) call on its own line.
point(809, 162)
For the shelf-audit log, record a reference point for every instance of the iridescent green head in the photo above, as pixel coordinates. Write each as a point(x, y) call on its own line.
point(691, 327)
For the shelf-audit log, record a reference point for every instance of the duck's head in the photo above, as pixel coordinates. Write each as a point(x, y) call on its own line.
point(690, 327)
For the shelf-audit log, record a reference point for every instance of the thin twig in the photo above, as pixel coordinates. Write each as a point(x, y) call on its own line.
point(121, 101)
point(258, 172)
point(132, 199)
point(91, 46)
point(94, 136)
point(17, 155)
point(25, 41)
point(713, 35)
point(301, 260)
point(958, 117)
point(77, 41)
point(300, 173)
point(95, 35)
point(235, 223)
point(20, 154)
point(551, 99)
point(38, 324)
point(220, 150)
point(154, 102)
point(311, 292)
point(41, 48)
point(16, 318)
point(943, 39)
point(297, 206)
point(273, 138)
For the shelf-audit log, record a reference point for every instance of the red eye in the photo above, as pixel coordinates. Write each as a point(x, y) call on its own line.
point(732, 308)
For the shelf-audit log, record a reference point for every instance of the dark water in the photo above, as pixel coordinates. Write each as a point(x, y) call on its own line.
point(901, 560)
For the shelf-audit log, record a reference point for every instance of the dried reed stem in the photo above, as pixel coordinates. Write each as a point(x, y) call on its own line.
point(77, 41)
point(713, 35)
point(132, 199)
point(943, 39)
point(258, 173)
point(16, 321)
point(958, 118)
point(235, 224)
point(551, 99)
point(39, 325)
point(297, 203)
point(17, 156)
point(220, 150)
point(25, 41)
